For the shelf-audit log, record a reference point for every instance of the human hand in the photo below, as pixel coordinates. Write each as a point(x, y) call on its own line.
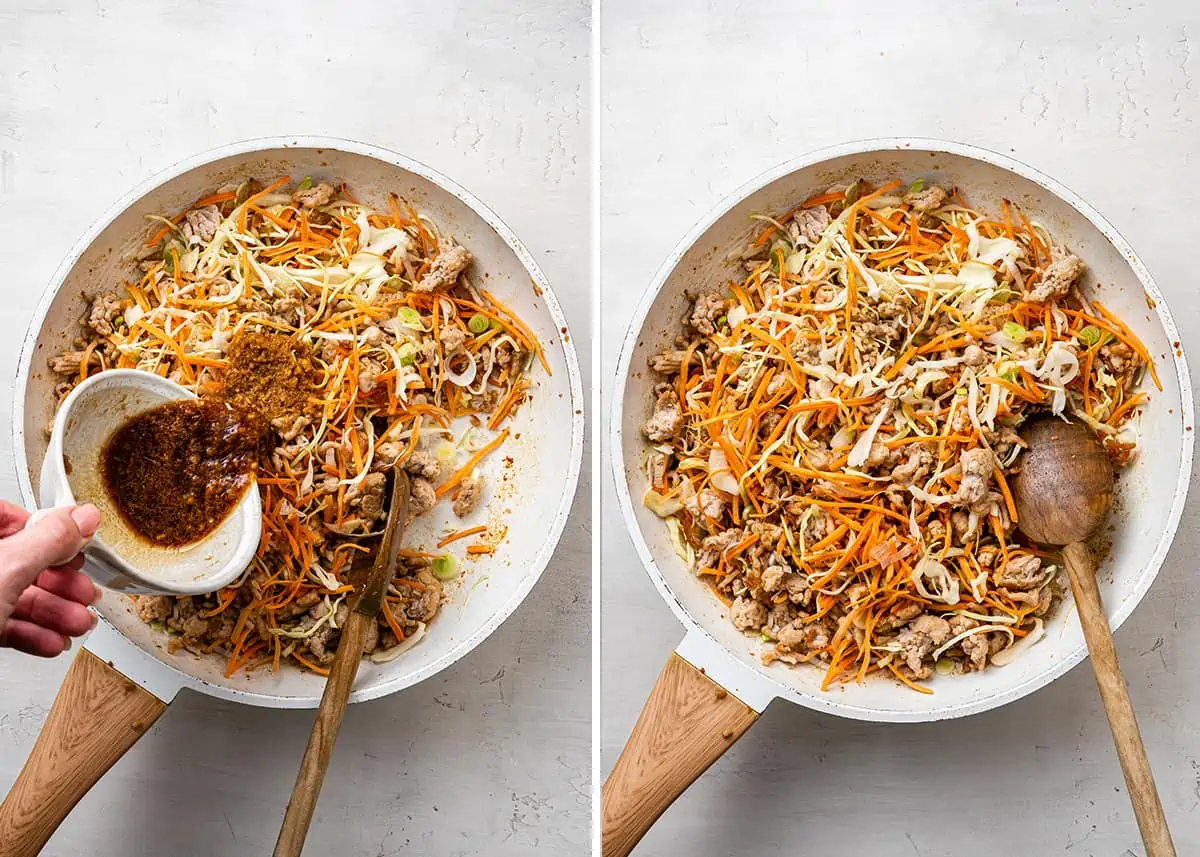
point(43, 594)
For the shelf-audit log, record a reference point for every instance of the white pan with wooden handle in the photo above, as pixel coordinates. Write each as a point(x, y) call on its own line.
point(123, 678)
point(714, 686)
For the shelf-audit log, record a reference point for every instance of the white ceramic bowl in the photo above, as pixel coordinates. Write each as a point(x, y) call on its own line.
point(116, 557)
point(1151, 491)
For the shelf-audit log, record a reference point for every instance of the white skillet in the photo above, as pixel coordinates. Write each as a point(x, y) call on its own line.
point(123, 677)
point(714, 686)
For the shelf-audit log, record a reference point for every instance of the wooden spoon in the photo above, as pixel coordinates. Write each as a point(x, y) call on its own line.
point(1063, 494)
point(341, 676)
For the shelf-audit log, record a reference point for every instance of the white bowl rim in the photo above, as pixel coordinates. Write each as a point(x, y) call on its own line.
point(570, 479)
point(764, 682)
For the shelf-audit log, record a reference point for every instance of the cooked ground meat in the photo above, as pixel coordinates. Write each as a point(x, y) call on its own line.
point(452, 260)
point(468, 496)
point(667, 419)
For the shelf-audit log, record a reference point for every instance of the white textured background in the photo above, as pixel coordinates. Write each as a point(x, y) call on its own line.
point(1101, 96)
point(492, 756)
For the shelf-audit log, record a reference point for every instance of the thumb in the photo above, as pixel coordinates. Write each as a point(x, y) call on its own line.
point(53, 540)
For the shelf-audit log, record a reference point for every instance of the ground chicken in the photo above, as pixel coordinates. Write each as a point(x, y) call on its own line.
point(368, 375)
point(451, 261)
point(1058, 277)
point(974, 647)
point(452, 339)
point(748, 614)
point(423, 497)
point(1020, 573)
point(152, 608)
point(314, 197)
point(977, 465)
point(708, 505)
point(386, 454)
point(774, 578)
point(468, 496)
point(811, 223)
point(974, 356)
point(68, 362)
point(914, 469)
point(371, 502)
point(705, 312)
point(104, 310)
point(926, 200)
point(667, 363)
point(1116, 356)
point(920, 638)
point(420, 463)
point(200, 224)
point(666, 421)
point(803, 636)
point(425, 606)
point(290, 428)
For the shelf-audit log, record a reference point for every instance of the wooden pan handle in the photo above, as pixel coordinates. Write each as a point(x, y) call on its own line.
point(97, 715)
point(1115, 695)
point(686, 724)
point(324, 733)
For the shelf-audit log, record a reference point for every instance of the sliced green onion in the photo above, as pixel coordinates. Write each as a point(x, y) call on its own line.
point(1090, 335)
point(917, 186)
point(960, 393)
point(305, 183)
point(396, 284)
point(1014, 331)
point(722, 320)
point(1010, 374)
point(407, 354)
point(444, 567)
point(495, 322)
point(408, 316)
point(478, 323)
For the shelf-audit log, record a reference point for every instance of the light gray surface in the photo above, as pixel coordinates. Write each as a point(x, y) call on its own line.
point(491, 756)
point(1102, 98)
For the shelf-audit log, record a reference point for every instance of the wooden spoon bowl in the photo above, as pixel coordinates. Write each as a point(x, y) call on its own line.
point(1064, 489)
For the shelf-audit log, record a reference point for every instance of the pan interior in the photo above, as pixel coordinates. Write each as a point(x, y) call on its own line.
point(1150, 491)
point(530, 486)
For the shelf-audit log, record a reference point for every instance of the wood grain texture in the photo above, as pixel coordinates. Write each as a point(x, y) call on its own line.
point(328, 723)
point(1143, 794)
point(1064, 488)
point(97, 715)
point(687, 723)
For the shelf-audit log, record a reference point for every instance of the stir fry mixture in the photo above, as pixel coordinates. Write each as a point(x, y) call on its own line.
point(833, 435)
point(359, 340)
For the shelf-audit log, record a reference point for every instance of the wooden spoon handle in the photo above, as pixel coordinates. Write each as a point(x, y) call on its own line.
point(687, 723)
point(324, 733)
point(1115, 695)
point(97, 715)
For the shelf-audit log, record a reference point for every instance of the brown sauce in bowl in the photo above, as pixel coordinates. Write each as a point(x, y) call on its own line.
point(176, 472)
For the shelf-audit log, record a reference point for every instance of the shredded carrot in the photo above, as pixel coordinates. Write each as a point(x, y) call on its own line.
point(462, 534)
point(465, 471)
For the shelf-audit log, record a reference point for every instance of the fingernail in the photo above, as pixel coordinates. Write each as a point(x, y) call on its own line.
point(87, 518)
point(66, 643)
point(95, 620)
point(99, 593)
